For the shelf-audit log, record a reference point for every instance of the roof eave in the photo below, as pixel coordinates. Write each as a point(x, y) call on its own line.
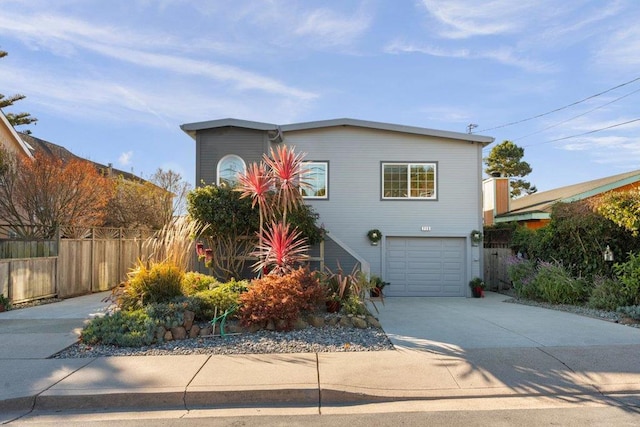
point(191, 128)
point(529, 216)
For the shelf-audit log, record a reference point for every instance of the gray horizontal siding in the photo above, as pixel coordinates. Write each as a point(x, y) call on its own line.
point(214, 144)
point(355, 205)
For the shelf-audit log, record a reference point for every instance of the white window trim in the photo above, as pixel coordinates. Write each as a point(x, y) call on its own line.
point(409, 165)
point(221, 161)
point(326, 179)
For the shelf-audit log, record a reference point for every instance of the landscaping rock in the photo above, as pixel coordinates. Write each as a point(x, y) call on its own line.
point(207, 330)
point(282, 325)
point(194, 331)
point(345, 322)
point(359, 323)
point(234, 328)
point(188, 319)
point(300, 325)
point(179, 333)
point(315, 321)
point(373, 322)
point(270, 326)
point(168, 336)
point(333, 321)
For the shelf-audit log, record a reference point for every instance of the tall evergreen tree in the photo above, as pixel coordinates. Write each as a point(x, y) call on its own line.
point(16, 119)
point(505, 159)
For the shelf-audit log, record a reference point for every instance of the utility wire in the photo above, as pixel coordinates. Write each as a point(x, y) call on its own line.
point(575, 117)
point(585, 133)
point(561, 108)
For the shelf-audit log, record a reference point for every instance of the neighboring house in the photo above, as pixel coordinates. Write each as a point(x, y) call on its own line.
point(420, 187)
point(58, 152)
point(10, 139)
point(534, 210)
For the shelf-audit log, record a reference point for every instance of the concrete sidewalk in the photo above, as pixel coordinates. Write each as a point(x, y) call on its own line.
point(511, 365)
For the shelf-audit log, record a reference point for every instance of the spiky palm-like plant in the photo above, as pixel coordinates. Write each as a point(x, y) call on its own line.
point(287, 170)
point(281, 249)
point(256, 183)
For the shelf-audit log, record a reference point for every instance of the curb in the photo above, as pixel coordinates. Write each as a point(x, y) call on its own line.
point(304, 397)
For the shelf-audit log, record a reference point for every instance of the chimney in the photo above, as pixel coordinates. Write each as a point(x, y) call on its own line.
point(496, 197)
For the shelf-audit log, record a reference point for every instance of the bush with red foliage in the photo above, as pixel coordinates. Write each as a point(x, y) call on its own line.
point(280, 299)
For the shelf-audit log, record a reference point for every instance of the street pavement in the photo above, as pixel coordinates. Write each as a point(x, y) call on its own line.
point(451, 354)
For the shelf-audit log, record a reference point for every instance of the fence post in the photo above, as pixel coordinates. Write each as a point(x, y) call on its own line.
point(57, 273)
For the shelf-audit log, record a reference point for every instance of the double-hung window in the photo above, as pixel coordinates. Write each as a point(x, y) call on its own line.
point(409, 181)
point(316, 179)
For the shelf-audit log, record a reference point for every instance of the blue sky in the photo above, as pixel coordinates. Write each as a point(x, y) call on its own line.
point(112, 81)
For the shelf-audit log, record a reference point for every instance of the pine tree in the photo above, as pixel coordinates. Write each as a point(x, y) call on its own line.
point(505, 159)
point(18, 119)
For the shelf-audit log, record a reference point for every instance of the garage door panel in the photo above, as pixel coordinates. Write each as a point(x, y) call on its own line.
point(425, 266)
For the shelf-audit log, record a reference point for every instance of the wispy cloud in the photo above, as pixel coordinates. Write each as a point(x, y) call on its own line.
point(458, 19)
point(503, 55)
point(69, 35)
point(330, 28)
point(125, 158)
point(620, 49)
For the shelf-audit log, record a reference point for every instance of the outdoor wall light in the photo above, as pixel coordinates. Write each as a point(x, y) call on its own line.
point(608, 254)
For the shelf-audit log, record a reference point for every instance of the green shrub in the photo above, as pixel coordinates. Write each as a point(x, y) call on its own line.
point(353, 305)
point(606, 294)
point(122, 328)
point(280, 299)
point(632, 311)
point(629, 275)
point(554, 284)
point(521, 273)
point(221, 297)
point(171, 314)
point(161, 282)
point(193, 282)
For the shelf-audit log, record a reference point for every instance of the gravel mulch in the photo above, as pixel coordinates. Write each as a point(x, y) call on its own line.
point(309, 340)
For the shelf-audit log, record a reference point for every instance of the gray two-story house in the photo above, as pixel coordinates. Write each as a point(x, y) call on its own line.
point(420, 187)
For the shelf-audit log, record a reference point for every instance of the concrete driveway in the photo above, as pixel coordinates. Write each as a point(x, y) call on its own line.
point(453, 324)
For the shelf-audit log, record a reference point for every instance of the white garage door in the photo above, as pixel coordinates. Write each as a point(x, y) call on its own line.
point(423, 266)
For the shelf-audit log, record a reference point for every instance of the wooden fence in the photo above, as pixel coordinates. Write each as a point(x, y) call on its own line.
point(495, 267)
point(89, 261)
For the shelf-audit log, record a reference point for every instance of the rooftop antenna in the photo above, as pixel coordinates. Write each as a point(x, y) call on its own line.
point(471, 126)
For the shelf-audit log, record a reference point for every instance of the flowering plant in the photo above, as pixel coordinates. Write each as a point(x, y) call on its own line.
point(374, 235)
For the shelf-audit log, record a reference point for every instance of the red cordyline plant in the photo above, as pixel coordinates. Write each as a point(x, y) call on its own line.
point(256, 183)
point(280, 250)
point(288, 176)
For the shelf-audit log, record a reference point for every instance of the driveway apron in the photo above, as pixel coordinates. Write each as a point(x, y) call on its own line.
point(475, 323)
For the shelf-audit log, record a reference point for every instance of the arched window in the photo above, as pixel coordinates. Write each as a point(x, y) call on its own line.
point(228, 169)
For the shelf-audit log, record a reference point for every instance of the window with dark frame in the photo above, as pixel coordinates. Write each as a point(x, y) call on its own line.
point(316, 178)
point(409, 181)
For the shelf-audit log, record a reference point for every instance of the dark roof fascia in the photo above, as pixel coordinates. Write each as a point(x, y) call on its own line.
point(522, 217)
point(485, 140)
point(192, 128)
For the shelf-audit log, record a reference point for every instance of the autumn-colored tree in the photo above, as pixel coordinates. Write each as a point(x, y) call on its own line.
point(39, 195)
point(147, 204)
point(174, 194)
point(136, 204)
